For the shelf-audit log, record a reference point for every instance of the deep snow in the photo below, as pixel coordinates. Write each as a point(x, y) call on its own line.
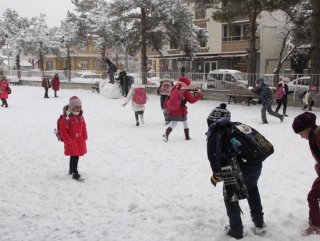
point(137, 187)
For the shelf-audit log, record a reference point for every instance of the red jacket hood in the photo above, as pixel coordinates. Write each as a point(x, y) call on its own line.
point(185, 80)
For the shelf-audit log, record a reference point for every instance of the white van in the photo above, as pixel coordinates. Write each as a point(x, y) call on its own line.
point(226, 79)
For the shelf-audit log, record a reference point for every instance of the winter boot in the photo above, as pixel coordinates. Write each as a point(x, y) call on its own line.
point(312, 230)
point(166, 135)
point(237, 234)
point(281, 118)
point(186, 133)
point(5, 103)
point(141, 119)
point(259, 226)
point(76, 175)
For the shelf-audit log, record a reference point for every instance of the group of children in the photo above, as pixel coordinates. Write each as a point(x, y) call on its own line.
point(265, 96)
point(47, 84)
point(73, 132)
point(171, 115)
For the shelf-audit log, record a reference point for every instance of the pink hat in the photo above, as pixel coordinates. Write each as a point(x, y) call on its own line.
point(73, 102)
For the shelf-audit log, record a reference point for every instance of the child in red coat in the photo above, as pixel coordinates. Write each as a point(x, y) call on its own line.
point(73, 132)
point(4, 86)
point(180, 114)
point(55, 83)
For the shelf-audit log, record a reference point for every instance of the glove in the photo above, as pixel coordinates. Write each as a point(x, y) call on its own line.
point(236, 144)
point(215, 179)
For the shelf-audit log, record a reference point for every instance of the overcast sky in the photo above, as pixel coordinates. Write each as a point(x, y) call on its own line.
point(55, 10)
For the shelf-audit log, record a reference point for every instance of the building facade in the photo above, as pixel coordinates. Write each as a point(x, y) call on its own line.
point(83, 58)
point(226, 48)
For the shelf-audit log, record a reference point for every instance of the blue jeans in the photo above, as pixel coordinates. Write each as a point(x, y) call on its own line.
point(251, 176)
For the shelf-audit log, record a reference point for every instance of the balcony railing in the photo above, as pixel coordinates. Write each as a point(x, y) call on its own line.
point(237, 38)
point(201, 23)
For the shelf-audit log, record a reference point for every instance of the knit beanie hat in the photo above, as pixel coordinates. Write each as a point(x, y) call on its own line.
point(73, 102)
point(304, 121)
point(260, 81)
point(218, 113)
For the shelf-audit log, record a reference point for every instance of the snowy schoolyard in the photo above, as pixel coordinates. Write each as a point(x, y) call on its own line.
point(137, 188)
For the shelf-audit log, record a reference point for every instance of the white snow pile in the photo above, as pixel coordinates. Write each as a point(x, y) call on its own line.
point(110, 91)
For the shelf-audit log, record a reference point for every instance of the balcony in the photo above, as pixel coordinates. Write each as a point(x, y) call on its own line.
point(174, 51)
point(203, 50)
point(236, 43)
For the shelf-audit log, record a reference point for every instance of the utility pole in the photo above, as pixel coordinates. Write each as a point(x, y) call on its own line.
point(8, 59)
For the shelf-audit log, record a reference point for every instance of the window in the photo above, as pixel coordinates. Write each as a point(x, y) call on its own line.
point(237, 31)
point(173, 43)
point(202, 37)
point(229, 78)
point(49, 65)
point(84, 64)
point(303, 81)
point(216, 76)
point(84, 46)
point(97, 64)
point(200, 13)
point(200, 10)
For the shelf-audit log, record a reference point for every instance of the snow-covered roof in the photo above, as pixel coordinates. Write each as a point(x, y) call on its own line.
point(23, 63)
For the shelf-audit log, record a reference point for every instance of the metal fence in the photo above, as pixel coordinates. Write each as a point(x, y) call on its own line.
point(223, 81)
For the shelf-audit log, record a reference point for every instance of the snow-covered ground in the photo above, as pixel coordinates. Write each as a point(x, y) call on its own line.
point(137, 188)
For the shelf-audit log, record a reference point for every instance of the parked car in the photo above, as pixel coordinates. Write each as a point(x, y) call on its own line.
point(226, 79)
point(88, 77)
point(300, 84)
point(150, 81)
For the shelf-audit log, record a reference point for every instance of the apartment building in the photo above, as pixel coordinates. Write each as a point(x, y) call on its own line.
point(226, 47)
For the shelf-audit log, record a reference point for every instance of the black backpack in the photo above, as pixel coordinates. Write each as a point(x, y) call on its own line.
point(255, 148)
